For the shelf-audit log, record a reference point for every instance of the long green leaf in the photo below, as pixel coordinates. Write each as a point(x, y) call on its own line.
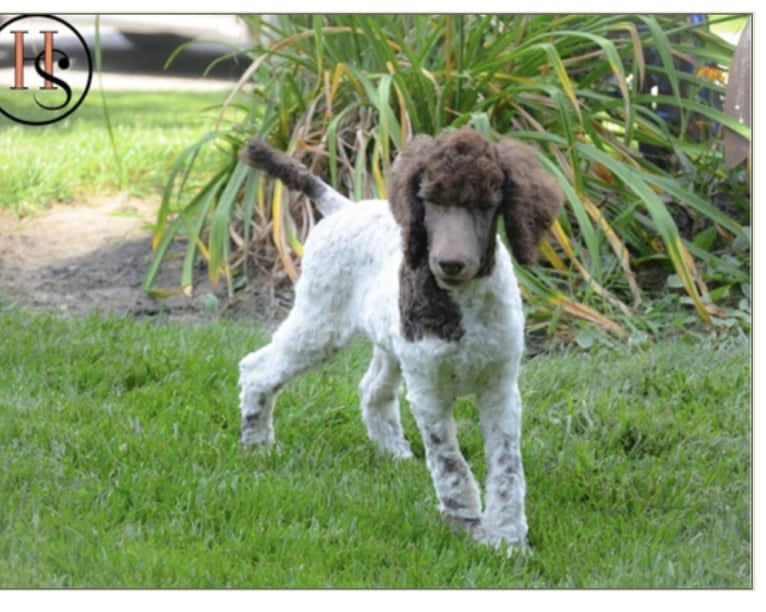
point(664, 223)
point(183, 162)
point(332, 142)
point(672, 187)
point(616, 66)
point(219, 231)
point(561, 73)
point(183, 221)
point(583, 220)
point(105, 107)
point(248, 206)
point(664, 48)
point(195, 235)
point(703, 109)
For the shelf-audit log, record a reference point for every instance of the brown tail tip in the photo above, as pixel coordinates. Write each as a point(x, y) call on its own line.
point(291, 172)
point(256, 153)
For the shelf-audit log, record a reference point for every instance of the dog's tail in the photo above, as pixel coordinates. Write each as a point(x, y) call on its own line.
point(257, 154)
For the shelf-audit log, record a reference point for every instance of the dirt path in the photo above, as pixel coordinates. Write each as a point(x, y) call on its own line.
point(89, 258)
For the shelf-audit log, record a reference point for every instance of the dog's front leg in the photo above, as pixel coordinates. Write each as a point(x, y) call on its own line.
point(456, 488)
point(504, 519)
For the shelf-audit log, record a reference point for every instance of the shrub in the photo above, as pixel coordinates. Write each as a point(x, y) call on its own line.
point(345, 93)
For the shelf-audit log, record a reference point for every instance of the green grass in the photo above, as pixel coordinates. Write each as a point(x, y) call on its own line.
point(74, 158)
point(121, 468)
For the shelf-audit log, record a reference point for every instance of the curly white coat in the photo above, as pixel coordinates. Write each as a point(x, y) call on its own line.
point(350, 286)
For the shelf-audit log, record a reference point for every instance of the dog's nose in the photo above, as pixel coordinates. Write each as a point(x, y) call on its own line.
point(451, 267)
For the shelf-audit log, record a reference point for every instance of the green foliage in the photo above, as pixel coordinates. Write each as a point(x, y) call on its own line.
point(344, 93)
point(122, 468)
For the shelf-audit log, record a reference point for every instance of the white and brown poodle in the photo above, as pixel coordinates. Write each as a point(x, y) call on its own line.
point(427, 280)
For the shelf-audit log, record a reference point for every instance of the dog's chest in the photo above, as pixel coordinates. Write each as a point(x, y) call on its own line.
point(471, 363)
point(492, 338)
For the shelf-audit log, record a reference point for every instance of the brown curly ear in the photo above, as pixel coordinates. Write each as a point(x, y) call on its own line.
point(406, 206)
point(531, 199)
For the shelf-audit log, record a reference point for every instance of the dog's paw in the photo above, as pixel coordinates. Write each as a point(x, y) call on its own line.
point(398, 448)
point(513, 541)
point(256, 439)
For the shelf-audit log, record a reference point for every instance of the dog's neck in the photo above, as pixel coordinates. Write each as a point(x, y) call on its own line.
point(425, 309)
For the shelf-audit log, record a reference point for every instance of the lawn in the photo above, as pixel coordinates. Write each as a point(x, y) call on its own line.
point(121, 468)
point(75, 157)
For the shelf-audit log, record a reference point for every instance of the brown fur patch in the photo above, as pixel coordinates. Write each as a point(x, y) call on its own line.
point(290, 171)
point(532, 200)
point(425, 308)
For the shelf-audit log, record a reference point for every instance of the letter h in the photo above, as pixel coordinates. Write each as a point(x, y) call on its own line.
point(20, 59)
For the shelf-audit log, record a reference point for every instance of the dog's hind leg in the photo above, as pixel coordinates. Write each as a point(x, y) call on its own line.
point(378, 393)
point(297, 346)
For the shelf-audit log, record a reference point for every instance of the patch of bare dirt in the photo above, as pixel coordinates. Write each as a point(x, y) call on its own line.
point(92, 258)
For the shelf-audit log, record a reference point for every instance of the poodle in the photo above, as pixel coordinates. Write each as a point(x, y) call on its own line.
point(426, 278)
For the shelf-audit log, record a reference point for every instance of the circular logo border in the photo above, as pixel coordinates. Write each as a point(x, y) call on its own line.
point(90, 69)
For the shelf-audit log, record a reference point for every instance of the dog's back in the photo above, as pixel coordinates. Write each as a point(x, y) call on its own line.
point(350, 269)
point(351, 257)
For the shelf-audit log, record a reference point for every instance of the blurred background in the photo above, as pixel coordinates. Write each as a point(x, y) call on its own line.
point(135, 49)
point(644, 120)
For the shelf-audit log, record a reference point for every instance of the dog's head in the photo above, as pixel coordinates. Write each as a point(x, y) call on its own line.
point(448, 192)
